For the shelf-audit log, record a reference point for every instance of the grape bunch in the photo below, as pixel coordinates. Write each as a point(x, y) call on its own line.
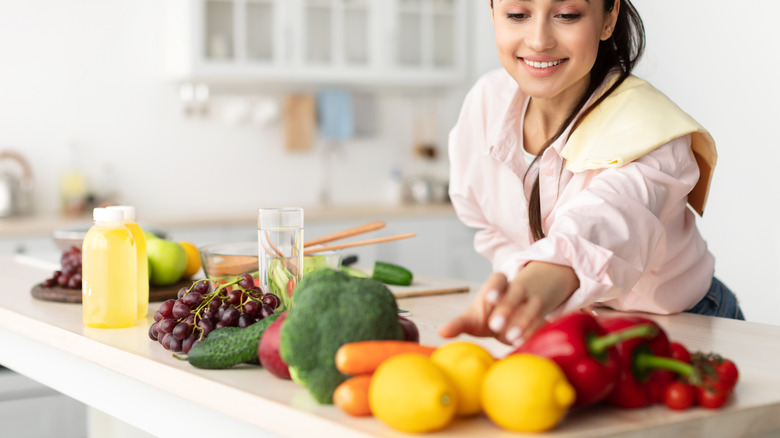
point(69, 274)
point(182, 322)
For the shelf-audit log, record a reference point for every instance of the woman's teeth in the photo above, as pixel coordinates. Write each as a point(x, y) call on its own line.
point(541, 64)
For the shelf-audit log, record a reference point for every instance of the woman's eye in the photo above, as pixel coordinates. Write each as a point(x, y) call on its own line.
point(516, 17)
point(569, 17)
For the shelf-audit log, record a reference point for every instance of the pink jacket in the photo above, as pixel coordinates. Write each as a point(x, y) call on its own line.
point(626, 231)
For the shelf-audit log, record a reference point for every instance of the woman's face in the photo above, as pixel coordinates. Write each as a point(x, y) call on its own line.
point(550, 46)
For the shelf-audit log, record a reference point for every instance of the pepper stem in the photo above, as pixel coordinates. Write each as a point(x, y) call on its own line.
point(597, 345)
point(644, 362)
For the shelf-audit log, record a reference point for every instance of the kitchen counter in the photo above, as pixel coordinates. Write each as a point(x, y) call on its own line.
point(124, 374)
point(46, 223)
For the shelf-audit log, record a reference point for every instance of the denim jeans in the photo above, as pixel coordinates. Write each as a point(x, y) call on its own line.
point(719, 301)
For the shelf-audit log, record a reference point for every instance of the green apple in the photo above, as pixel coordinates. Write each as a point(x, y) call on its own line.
point(167, 261)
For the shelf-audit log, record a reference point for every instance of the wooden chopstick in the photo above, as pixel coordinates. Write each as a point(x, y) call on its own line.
point(358, 243)
point(349, 232)
point(273, 250)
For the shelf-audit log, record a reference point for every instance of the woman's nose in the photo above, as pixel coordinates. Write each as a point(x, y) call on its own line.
point(540, 36)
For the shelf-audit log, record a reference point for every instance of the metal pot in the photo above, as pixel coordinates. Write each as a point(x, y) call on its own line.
point(15, 186)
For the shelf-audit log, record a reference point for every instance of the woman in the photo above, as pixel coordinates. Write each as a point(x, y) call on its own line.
point(577, 175)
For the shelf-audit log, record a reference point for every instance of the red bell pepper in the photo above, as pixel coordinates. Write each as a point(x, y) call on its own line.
point(584, 351)
point(647, 368)
point(643, 368)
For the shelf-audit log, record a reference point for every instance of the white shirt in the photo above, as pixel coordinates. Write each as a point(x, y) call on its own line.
point(627, 231)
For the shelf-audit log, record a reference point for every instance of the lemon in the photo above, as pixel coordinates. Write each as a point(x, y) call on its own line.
point(193, 259)
point(526, 393)
point(465, 364)
point(410, 393)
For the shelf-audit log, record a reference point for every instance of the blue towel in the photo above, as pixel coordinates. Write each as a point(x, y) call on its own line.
point(336, 115)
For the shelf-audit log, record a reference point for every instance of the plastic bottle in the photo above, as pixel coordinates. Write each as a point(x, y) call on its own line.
point(142, 262)
point(73, 186)
point(395, 187)
point(109, 274)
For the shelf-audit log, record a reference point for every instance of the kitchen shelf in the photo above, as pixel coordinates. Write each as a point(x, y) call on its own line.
point(392, 42)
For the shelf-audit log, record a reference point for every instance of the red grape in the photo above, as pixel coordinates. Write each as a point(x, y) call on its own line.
point(166, 308)
point(204, 307)
point(251, 308)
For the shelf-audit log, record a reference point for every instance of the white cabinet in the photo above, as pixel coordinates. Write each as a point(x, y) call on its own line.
point(29, 409)
point(392, 42)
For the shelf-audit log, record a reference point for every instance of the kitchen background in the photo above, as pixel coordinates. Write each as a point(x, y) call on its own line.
point(111, 88)
point(119, 92)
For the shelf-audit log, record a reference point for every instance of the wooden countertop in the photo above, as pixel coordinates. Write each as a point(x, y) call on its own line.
point(123, 373)
point(46, 223)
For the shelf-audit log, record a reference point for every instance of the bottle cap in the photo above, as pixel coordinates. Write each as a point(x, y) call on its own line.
point(107, 215)
point(127, 210)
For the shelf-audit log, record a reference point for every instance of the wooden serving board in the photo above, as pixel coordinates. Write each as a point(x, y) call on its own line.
point(65, 295)
point(423, 285)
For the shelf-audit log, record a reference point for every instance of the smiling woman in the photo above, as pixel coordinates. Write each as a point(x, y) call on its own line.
point(577, 175)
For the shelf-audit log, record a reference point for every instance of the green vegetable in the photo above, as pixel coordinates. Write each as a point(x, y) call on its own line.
point(331, 309)
point(313, 262)
point(279, 276)
point(229, 346)
point(389, 273)
point(354, 272)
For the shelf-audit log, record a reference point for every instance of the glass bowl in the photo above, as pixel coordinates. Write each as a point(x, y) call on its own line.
point(224, 261)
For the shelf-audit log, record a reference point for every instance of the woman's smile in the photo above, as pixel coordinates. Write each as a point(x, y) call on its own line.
point(542, 64)
point(542, 67)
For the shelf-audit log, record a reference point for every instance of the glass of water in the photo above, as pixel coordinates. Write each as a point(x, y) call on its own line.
point(280, 246)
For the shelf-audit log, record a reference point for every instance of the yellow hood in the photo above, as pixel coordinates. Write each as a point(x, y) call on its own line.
point(634, 120)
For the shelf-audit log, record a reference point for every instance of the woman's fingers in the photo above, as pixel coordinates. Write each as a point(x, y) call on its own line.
point(501, 319)
point(474, 320)
point(524, 320)
point(468, 323)
point(491, 292)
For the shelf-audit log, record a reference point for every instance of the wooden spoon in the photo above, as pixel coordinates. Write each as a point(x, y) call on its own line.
point(343, 234)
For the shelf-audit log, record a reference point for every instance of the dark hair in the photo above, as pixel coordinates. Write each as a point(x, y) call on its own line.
point(620, 52)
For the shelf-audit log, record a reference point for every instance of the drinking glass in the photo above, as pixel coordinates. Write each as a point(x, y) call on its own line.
point(280, 246)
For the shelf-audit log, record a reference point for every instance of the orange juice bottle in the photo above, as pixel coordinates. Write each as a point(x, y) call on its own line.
point(142, 262)
point(109, 275)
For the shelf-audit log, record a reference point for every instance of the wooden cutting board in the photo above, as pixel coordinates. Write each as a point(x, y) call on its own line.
point(423, 285)
point(65, 295)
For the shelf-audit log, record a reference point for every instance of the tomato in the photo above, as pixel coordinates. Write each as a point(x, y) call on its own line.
point(679, 395)
point(679, 352)
point(727, 372)
point(712, 395)
point(290, 286)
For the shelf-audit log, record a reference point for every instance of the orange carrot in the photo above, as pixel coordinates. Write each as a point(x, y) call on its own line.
point(364, 357)
point(351, 396)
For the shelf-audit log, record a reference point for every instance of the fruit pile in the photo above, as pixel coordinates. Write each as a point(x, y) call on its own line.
point(576, 360)
point(181, 323)
point(343, 340)
point(69, 275)
point(169, 262)
point(629, 362)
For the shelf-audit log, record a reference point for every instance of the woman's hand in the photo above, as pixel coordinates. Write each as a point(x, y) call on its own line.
point(511, 310)
point(474, 321)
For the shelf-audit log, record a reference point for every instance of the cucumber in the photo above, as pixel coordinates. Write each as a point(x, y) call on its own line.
point(229, 346)
point(389, 273)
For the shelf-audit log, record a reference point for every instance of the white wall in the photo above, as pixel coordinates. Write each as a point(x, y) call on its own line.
point(719, 62)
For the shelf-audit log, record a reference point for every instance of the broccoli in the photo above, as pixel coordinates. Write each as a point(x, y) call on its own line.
point(330, 309)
